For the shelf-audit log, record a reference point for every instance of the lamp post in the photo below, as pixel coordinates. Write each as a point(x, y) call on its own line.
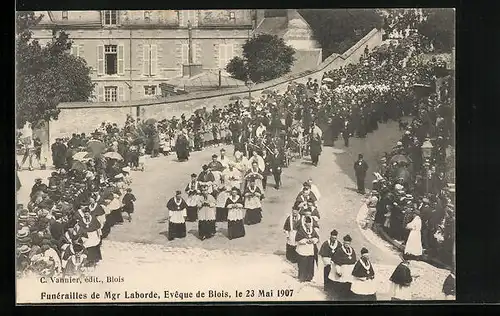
point(249, 83)
point(426, 154)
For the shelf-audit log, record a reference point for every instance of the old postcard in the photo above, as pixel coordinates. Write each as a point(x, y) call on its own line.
point(235, 155)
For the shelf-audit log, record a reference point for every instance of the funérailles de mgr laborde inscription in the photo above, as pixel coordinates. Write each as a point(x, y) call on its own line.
point(248, 293)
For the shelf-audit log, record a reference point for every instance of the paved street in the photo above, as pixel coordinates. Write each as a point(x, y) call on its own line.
point(257, 259)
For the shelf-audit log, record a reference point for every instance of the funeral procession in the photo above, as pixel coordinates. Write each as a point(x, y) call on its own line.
point(235, 155)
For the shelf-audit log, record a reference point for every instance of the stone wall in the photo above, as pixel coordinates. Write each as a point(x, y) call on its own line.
point(85, 117)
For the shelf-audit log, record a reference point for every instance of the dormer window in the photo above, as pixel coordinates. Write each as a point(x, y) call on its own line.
point(65, 15)
point(147, 16)
point(232, 16)
point(110, 18)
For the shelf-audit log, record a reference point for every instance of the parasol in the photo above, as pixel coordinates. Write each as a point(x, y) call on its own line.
point(95, 146)
point(82, 155)
point(267, 91)
point(113, 155)
point(151, 121)
point(248, 97)
point(327, 80)
point(399, 159)
point(78, 165)
point(234, 97)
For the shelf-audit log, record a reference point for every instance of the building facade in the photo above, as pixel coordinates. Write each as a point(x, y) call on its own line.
point(132, 52)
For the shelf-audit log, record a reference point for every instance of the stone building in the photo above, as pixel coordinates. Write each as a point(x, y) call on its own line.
point(132, 52)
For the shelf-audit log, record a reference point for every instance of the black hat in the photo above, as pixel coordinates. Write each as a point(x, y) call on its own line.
point(205, 167)
point(214, 156)
point(334, 233)
point(78, 247)
point(347, 238)
point(178, 192)
point(364, 250)
point(193, 175)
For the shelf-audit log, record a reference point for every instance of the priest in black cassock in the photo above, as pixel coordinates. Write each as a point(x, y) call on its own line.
point(307, 250)
point(363, 286)
point(343, 262)
point(206, 214)
point(290, 228)
point(326, 252)
point(176, 216)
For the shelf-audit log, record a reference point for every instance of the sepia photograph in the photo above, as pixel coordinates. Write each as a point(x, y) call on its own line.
point(237, 155)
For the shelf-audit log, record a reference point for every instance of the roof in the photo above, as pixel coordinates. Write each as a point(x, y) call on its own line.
point(274, 26)
point(206, 79)
point(306, 59)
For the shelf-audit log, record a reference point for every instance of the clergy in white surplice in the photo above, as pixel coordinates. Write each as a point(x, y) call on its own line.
point(206, 214)
point(307, 250)
point(235, 214)
point(176, 216)
point(363, 286)
point(343, 262)
point(328, 248)
point(253, 195)
point(207, 177)
point(254, 174)
point(193, 192)
point(290, 229)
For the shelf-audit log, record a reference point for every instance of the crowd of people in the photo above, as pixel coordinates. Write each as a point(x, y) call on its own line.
point(86, 195)
point(229, 188)
point(60, 230)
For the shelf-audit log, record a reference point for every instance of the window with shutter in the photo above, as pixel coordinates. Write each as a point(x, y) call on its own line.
point(154, 60)
point(80, 51)
point(100, 93)
point(121, 60)
point(145, 60)
point(100, 60)
point(185, 54)
point(222, 56)
point(121, 94)
point(229, 52)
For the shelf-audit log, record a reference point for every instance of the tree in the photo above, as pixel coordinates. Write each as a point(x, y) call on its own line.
point(48, 75)
point(337, 30)
point(439, 28)
point(266, 57)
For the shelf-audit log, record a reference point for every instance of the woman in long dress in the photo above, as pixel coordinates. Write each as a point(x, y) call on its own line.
point(413, 246)
point(253, 195)
point(92, 238)
point(236, 213)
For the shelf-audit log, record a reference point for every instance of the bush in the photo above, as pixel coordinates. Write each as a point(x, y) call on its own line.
point(337, 30)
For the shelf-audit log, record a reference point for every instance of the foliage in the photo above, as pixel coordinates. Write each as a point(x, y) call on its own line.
point(439, 28)
point(267, 57)
point(46, 75)
point(337, 30)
